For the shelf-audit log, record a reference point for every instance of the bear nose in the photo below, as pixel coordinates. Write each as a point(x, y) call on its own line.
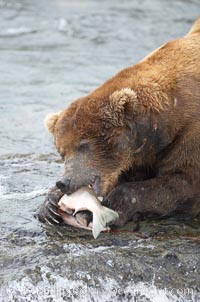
point(63, 184)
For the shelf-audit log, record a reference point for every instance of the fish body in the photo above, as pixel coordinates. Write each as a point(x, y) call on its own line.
point(85, 199)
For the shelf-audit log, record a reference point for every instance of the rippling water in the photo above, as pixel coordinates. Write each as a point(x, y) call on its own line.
point(51, 53)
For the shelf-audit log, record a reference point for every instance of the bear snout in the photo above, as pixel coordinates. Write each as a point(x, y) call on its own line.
point(63, 184)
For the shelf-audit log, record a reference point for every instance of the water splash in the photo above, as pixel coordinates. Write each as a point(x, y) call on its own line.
point(60, 289)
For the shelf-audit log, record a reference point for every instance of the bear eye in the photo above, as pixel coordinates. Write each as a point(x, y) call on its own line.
point(83, 146)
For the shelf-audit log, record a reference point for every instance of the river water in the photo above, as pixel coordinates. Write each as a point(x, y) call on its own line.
point(51, 52)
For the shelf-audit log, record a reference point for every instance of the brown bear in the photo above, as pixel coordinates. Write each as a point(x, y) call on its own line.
point(136, 138)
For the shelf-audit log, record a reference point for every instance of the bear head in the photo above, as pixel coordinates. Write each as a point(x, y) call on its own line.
point(96, 138)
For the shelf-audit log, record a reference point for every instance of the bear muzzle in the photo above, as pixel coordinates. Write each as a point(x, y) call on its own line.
point(69, 185)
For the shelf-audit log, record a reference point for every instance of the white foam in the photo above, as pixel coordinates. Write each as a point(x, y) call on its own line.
point(3, 189)
point(56, 288)
point(62, 25)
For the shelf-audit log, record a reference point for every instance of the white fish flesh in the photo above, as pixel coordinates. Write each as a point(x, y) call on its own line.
point(85, 199)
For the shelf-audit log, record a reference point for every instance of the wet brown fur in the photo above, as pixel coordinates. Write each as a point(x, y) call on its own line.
point(147, 116)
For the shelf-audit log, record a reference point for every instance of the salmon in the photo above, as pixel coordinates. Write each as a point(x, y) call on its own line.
point(86, 199)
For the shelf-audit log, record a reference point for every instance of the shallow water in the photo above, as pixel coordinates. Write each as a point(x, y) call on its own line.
point(51, 53)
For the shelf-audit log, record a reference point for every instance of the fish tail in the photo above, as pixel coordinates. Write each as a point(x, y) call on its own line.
point(108, 215)
point(101, 219)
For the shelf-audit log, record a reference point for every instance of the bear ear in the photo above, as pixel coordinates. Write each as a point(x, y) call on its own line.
point(120, 98)
point(120, 102)
point(51, 120)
